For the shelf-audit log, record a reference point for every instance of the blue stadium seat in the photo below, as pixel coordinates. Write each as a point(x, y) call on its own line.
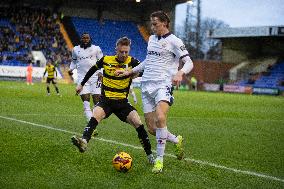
point(105, 35)
point(271, 81)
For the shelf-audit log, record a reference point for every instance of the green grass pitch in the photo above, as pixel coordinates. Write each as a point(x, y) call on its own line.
point(231, 141)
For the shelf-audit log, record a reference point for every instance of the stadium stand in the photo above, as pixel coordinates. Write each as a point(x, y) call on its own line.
point(258, 55)
point(105, 34)
point(272, 78)
point(23, 30)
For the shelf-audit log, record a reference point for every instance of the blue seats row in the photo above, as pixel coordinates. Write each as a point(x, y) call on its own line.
point(13, 63)
point(273, 80)
point(106, 34)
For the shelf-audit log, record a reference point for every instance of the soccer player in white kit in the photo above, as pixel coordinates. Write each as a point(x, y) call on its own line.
point(160, 73)
point(84, 56)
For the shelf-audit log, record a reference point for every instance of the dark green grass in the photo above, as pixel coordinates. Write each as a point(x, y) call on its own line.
point(236, 131)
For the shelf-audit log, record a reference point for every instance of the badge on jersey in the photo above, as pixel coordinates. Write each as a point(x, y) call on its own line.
point(183, 48)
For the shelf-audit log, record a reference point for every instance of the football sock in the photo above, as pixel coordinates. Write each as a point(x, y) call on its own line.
point(87, 134)
point(161, 137)
point(172, 138)
point(48, 89)
point(87, 110)
point(144, 139)
point(57, 90)
point(134, 96)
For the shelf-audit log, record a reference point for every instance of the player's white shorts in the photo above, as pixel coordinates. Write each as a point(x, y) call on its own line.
point(93, 88)
point(153, 93)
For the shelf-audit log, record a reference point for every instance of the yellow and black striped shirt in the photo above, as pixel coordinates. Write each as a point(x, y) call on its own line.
point(113, 87)
point(50, 71)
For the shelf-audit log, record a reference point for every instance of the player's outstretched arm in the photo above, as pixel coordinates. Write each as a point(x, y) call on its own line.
point(79, 88)
point(89, 74)
point(44, 73)
point(123, 72)
point(187, 67)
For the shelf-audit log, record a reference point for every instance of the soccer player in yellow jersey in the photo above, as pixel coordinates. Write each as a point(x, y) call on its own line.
point(51, 71)
point(115, 91)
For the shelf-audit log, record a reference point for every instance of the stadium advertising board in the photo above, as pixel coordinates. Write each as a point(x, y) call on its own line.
point(20, 71)
point(237, 89)
point(211, 87)
point(267, 91)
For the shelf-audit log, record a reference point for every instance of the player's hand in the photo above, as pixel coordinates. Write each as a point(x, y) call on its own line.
point(122, 73)
point(70, 72)
point(100, 77)
point(100, 74)
point(177, 78)
point(79, 88)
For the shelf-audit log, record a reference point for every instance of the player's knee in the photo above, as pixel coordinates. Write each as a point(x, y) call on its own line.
point(98, 113)
point(152, 131)
point(99, 119)
point(135, 122)
point(161, 118)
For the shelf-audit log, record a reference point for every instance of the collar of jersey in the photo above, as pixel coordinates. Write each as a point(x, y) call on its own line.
point(164, 36)
point(120, 62)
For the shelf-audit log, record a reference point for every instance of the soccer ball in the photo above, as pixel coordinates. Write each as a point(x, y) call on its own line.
point(122, 162)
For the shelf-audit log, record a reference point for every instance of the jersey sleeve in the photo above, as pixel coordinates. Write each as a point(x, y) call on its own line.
point(99, 54)
point(92, 70)
point(134, 62)
point(179, 49)
point(100, 63)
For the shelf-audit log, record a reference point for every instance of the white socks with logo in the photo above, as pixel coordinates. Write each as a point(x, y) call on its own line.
point(87, 110)
point(161, 137)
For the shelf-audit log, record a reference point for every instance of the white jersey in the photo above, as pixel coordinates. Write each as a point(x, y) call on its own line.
point(83, 60)
point(162, 60)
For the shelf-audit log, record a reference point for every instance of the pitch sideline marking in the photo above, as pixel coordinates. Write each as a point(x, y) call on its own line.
point(169, 155)
point(171, 117)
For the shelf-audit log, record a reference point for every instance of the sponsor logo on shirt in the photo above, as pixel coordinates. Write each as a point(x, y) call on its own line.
point(85, 57)
point(154, 53)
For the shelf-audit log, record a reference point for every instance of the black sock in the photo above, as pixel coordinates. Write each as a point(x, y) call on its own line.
point(48, 90)
point(87, 134)
point(56, 88)
point(144, 139)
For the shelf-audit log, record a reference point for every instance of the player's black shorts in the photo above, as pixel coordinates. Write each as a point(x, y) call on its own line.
point(48, 80)
point(121, 108)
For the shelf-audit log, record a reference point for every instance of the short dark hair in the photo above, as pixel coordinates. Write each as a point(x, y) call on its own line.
point(163, 17)
point(85, 33)
point(125, 41)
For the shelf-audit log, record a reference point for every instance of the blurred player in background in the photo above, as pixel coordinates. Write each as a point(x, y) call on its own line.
point(160, 74)
point(30, 74)
point(132, 93)
point(115, 91)
point(84, 56)
point(51, 76)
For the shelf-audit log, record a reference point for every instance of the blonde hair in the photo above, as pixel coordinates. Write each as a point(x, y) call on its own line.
point(125, 41)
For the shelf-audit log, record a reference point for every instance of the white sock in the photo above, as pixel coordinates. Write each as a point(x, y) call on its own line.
point(134, 96)
point(161, 137)
point(172, 138)
point(87, 110)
